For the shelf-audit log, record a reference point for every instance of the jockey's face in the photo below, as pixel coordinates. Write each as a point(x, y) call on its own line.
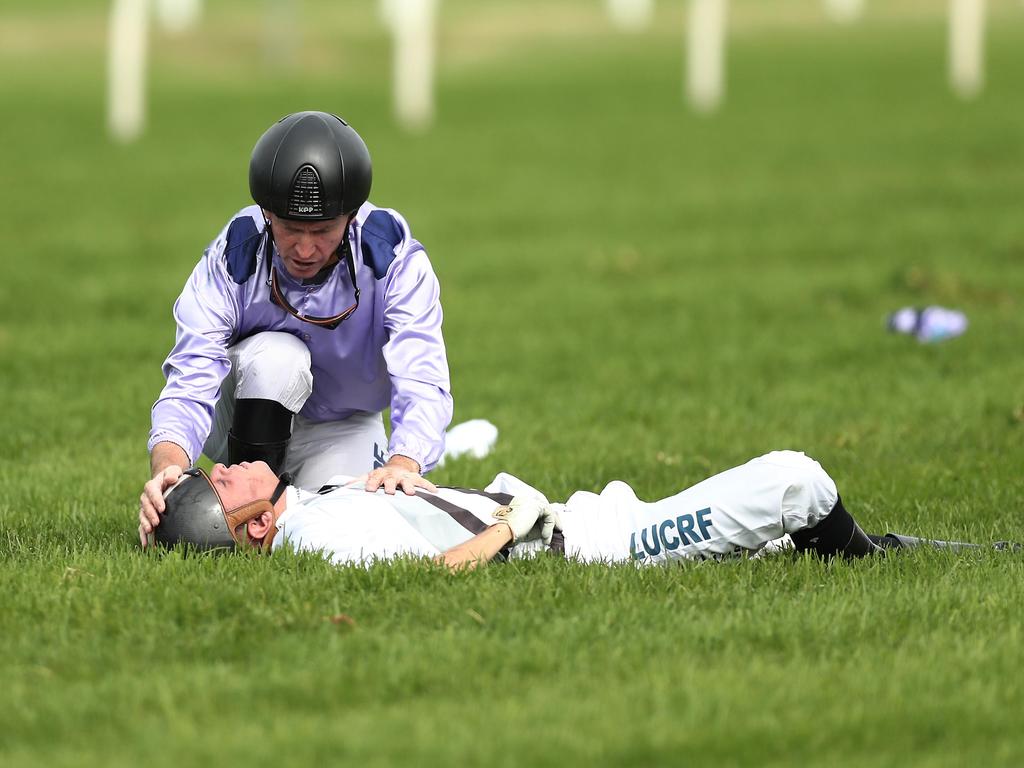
point(306, 247)
point(242, 483)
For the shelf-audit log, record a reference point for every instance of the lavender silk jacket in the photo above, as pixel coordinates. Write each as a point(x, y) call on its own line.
point(389, 352)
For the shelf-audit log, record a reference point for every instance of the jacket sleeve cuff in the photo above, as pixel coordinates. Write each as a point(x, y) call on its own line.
point(178, 440)
point(414, 449)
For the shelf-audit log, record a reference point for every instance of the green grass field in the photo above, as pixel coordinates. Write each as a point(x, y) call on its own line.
point(631, 292)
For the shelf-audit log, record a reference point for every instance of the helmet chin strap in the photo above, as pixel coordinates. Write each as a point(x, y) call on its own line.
point(240, 516)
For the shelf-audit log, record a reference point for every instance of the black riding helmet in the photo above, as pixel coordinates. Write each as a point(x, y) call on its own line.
point(310, 166)
point(194, 514)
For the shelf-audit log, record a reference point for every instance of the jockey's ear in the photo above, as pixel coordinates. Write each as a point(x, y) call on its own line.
point(260, 526)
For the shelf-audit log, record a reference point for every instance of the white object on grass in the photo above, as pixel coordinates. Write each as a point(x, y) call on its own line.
point(412, 24)
point(705, 54)
point(126, 68)
point(475, 438)
point(966, 46)
point(929, 324)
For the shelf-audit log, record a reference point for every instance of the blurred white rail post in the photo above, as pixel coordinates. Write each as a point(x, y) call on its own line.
point(705, 53)
point(967, 46)
point(844, 11)
point(126, 68)
point(177, 16)
point(412, 25)
point(282, 33)
point(631, 15)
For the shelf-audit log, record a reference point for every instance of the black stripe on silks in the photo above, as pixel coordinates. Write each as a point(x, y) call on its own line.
point(463, 517)
point(504, 499)
point(324, 489)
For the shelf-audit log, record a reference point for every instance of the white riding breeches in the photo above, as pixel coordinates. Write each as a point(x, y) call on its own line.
point(739, 510)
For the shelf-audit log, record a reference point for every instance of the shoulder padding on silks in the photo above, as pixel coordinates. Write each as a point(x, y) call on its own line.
point(381, 235)
point(241, 248)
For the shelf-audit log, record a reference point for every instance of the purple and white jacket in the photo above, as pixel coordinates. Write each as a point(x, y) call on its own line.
point(389, 352)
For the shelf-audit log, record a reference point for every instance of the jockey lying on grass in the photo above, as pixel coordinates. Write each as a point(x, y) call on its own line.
point(781, 499)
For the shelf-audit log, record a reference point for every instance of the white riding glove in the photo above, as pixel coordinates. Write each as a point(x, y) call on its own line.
point(548, 521)
point(521, 515)
point(530, 519)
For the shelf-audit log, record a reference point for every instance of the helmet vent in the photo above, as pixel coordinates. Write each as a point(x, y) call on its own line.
point(307, 197)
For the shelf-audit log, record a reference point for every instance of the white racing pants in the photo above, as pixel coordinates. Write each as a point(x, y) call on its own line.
point(276, 366)
point(741, 509)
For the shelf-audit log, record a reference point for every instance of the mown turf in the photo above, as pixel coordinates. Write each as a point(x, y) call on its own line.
point(630, 292)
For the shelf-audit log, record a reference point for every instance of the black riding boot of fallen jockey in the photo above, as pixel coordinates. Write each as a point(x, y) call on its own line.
point(837, 534)
point(260, 431)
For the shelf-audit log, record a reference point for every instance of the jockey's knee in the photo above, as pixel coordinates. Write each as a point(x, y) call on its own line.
point(274, 366)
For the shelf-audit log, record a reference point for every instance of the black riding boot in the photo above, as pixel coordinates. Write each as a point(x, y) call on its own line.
point(260, 431)
point(837, 534)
